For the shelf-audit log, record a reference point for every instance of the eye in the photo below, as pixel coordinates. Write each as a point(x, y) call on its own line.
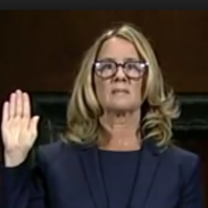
point(138, 66)
point(133, 66)
point(105, 66)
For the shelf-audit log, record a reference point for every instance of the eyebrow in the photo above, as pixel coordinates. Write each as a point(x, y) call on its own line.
point(106, 59)
point(112, 59)
point(132, 59)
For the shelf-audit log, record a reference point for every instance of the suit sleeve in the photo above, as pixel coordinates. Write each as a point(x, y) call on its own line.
point(192, 196)
point(22, 186)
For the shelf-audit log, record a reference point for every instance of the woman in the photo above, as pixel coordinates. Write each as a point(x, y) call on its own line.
point(117, 152)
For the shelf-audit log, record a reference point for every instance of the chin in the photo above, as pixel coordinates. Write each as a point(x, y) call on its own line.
point(122, 107)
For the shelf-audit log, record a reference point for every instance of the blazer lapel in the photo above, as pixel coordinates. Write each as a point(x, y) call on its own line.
point(90, 164)
point(148, 167)
point(149, 163)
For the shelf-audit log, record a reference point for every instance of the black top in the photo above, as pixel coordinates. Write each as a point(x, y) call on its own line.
point(70, 177)
point(119, 170)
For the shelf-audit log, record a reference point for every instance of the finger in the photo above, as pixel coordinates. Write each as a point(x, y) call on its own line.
point(26, 106)
point(33, 126)
point(19, 103)
point(12, 103)
point(5, 113)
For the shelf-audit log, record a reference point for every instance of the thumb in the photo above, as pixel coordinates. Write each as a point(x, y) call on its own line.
point(34, 125)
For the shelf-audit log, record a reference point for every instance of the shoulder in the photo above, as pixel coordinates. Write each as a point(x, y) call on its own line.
point(55, 151)
point(181, 155)
point(186, 161)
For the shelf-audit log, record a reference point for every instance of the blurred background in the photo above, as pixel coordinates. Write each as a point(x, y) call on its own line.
point(40, 51)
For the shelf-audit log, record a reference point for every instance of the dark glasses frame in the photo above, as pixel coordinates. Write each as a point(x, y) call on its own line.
point(143, 64)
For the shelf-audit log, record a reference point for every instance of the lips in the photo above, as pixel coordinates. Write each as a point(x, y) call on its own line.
point(120, 91)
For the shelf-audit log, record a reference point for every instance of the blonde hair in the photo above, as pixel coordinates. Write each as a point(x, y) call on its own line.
point(159, 106)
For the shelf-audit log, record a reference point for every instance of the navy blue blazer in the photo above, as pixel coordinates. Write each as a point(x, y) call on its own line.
point(68, 176)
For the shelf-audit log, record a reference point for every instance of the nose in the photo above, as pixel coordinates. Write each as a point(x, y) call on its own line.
point(120, 75)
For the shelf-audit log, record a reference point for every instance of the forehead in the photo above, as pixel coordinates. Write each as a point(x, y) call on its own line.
point(118, 48)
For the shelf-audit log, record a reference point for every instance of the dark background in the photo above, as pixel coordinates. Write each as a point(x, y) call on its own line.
point(41, 51)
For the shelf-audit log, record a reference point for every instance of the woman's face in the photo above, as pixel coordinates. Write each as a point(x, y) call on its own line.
point(118, 87)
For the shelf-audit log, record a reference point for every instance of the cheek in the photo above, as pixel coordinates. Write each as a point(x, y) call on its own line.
point(102, 90)
point(137, 92)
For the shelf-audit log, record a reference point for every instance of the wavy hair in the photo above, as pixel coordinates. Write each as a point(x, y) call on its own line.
point(158, 108)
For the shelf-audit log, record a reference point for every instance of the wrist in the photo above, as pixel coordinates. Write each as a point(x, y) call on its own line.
point(14, 159)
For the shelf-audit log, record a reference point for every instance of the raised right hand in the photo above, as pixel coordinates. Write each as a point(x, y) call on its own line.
point(18, 128)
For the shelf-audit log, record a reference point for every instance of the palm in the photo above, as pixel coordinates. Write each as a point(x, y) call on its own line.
point(19, 130)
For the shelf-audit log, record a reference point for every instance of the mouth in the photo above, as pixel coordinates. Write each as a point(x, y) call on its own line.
point(115, 91)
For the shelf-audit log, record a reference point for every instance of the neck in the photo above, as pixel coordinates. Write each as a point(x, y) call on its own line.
point(120, 131)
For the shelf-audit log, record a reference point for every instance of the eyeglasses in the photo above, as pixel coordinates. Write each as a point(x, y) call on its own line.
point(132, 69)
